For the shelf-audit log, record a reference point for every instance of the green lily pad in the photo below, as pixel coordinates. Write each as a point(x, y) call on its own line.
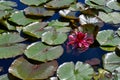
point(118, 31)
point(35, 2)
point(108, 38)
point(113, 5)
point(19, 18)
point(41, 52)
point(57, 4)
point(4, 77)
point(38, 12)
point(10, 46)
point(108, 48)
point(111, 61)
point(3, 14)
point(35, 29)
point(113, 17)
point(99, 2)
point(60, 26)
point(80, 71)
point(7, 5)
point(24, 70)
point(54, 38)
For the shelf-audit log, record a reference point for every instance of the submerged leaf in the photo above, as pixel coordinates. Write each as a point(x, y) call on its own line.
point(41, 52)
point(69, 71)
point(24, 70)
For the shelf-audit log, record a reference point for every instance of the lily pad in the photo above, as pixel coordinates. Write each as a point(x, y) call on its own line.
point(24, 70)
point(10, 46)
point(111, 61)
point(38, 12)
point(41, 52)
point(99, 2)
point(19, 18)
point(60, 26)
point(108, 38)
point(54, 38)
point(35, 2)
point(7, 5)
point(80, 71)
point(113, 5)
point(35, 29)
point(3, 14)
point(113, 17)
point(108, 48)
point(58, 4)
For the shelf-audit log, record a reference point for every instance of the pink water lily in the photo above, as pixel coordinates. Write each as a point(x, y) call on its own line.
point(80, 40)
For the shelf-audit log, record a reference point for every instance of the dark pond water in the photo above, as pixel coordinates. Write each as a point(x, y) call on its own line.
point(90, 53)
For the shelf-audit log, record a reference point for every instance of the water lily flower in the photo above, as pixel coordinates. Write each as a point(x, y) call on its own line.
point(80, 40)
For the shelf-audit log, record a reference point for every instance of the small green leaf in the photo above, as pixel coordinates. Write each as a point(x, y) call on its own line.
point(35, 29)
point(80, 71)
point(54, 38)
point(108, 38)
point(38, 12)
point(35, 2)
point(41, 52)
point(20, 19)
point(24, 70)
point(56, 4)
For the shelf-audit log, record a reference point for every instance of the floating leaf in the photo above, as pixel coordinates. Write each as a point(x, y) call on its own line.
point(3, 14)
point(20, 19)
point(111, 61)
point(54, 38)
point(56, 4)
point(38, 12)
point(7, 5)
point(113, 5)
point(113, 17)
point(69, 71)
point(60, 26)
point(35, 29)
point(10, 46)
point(24, 70)
point(41, 52)
point(35, 2)
point(108, 38)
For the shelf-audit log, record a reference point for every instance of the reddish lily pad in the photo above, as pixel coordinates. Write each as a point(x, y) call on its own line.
point(24, 70)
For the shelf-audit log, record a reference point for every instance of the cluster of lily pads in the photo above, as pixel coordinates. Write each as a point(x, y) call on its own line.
point(36, 39)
